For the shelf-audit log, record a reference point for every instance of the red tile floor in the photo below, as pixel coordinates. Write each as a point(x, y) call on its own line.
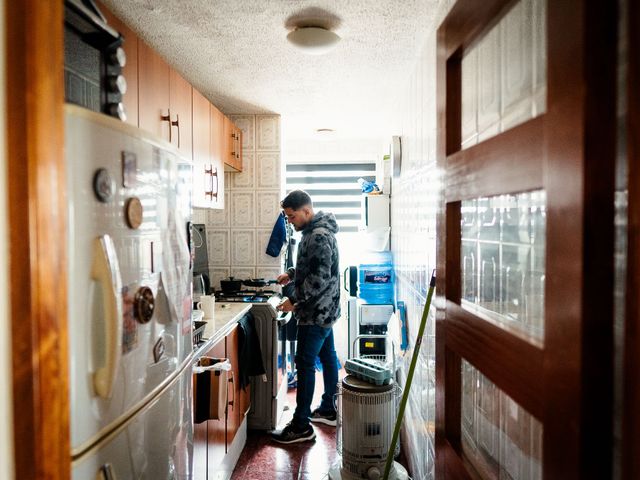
point(264, 459)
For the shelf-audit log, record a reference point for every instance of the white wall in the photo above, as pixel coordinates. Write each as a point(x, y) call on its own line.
point(6, 432)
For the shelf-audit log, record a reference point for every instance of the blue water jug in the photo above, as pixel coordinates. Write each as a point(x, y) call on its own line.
point(376, 281)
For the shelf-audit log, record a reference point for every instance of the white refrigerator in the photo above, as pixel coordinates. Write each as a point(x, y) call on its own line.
point(129, 301)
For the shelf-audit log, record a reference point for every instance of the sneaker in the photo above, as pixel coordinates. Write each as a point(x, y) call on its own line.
point(291, 434)
point(292, 381)
point(328, 418)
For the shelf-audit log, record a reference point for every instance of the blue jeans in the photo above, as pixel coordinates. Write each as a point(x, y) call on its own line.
point(314, 341)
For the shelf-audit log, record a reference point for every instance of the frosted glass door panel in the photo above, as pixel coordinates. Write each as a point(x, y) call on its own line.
point(503, 260)
point(499, 438)
point(504, 76)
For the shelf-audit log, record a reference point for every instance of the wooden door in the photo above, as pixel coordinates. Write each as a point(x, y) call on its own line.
point(234, 408)
point(216, 447)
point(130, 70)
point(630, 448)
point(153, 92)
point(526, 141)
point(180, 104)
point(37, 264)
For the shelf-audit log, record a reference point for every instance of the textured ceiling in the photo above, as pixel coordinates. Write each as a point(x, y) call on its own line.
point(236, 53)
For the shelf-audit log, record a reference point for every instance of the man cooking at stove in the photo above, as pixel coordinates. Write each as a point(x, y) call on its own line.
point(317, 287)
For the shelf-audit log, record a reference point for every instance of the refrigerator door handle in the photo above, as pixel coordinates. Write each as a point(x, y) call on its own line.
point(106, 271)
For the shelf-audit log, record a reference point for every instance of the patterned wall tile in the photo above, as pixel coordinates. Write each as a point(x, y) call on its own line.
point(238, 234)
point(268, 170)
point(242, 208)
point(268, 132)
point(268, 274)
point(218, 217)
point(199, 215)
point(216, 274)
point(246, 123)
point(243, 273)
point(243, 247)
point(245, 179)
point(267, 207)
point(218, 246)
point(262, 240)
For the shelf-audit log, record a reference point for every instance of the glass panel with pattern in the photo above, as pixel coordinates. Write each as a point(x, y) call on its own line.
point(503, 260)
point(504, 77)
point(499, 438)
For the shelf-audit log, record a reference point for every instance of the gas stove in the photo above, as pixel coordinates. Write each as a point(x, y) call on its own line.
point(246, 296)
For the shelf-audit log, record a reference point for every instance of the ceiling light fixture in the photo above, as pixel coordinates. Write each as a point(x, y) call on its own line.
point(313, 40)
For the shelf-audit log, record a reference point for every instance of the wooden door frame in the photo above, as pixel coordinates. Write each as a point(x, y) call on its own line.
point(569, 151)
point(631, 416)
point(37, 236)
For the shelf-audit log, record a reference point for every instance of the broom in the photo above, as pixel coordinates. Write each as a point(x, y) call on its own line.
point(412, 368)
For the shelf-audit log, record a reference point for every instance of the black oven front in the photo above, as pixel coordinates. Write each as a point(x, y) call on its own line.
point(93, 60)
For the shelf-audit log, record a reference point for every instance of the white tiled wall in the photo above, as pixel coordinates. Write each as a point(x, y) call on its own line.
point(413, 239)
point(238, 235)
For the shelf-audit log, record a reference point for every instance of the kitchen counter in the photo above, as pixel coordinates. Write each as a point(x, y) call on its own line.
point(225, 317)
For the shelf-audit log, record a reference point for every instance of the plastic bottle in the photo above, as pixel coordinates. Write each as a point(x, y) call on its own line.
point(376, 281)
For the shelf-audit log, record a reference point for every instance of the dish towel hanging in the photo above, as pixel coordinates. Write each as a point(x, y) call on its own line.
point(278, 237)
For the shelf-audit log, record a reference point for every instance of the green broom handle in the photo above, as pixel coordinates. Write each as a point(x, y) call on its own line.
point(412, 368)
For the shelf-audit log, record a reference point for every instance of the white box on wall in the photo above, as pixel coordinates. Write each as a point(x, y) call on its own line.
point(375, 211)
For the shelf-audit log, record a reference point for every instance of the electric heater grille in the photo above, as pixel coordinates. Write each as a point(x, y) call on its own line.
point(366, 416)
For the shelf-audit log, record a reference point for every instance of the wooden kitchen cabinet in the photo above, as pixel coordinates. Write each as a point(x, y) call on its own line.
point(234, 414)
point(217, 152)
point(233, 146)
point(213, 438)
point(130, 70)
point(153, 92)
point(164, 100)
point(208, 174)
point(180, 107)
point(216, 429)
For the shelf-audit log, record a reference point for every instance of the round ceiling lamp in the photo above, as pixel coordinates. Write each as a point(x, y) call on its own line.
point(313, 40)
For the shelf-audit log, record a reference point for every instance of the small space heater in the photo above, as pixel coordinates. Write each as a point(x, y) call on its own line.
point(366, 416)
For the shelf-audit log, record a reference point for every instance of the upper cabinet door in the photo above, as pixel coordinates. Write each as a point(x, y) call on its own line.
point(206, 176)
point(130, 70)
point(180, 104)
point(218, 152)
point(233, 147)
point(153, 92)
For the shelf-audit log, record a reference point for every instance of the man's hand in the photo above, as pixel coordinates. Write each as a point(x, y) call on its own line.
point(285, 305)
point(283, 279)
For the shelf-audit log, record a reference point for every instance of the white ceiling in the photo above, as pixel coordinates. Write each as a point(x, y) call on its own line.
point(236, 53)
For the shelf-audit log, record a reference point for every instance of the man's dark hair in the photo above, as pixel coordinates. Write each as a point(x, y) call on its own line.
point(296, 199)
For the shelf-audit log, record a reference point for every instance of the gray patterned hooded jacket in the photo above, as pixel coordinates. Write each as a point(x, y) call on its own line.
point(317, 274)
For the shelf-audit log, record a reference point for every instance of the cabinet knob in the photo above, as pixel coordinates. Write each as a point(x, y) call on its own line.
point(176, 123)
point(211, 193)
point(167, 118)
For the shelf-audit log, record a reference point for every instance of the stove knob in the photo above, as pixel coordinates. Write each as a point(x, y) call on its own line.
point(118, 57)
point(117, 84)
point(143, 304)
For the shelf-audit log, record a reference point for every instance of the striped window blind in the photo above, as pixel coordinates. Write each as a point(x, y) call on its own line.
point(333, 188)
